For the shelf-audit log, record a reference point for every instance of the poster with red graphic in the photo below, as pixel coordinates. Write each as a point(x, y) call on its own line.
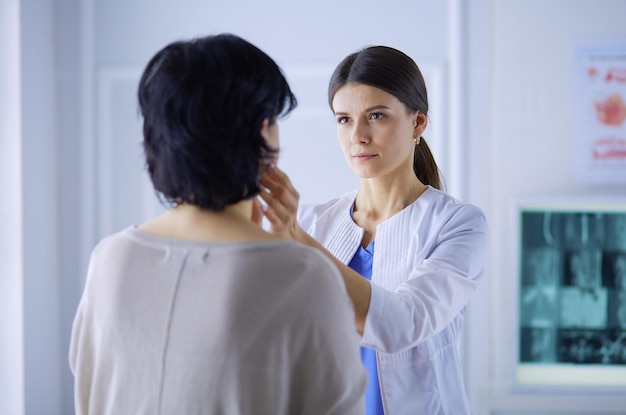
point(600, 113)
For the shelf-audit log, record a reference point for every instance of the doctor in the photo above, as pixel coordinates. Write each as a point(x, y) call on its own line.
point(410, 255)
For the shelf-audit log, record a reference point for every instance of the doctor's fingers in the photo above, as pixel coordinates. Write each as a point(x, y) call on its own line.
point(280, 218)
point(257, 211)
point(282, 190)
point(276, 207)
point(278, 176)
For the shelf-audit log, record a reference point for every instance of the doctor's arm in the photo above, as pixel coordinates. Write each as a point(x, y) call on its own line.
point(434, 291)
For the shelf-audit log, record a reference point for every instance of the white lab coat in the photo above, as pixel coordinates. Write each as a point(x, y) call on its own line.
point(428, 261)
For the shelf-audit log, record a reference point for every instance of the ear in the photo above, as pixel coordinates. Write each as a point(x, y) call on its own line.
point(420, 121)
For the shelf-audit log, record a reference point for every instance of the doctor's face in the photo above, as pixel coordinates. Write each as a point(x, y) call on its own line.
point(375, 131)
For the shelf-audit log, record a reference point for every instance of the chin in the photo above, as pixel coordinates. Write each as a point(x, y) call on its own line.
point(366, 174)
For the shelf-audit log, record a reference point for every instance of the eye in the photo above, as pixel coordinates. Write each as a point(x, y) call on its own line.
point(342, 120)
point(377, 116)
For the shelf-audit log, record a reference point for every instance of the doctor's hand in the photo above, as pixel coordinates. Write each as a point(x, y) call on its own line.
point(281, 200)
point(257, 212)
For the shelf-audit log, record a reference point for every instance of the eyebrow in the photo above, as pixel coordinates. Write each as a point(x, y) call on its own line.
point(370, 109)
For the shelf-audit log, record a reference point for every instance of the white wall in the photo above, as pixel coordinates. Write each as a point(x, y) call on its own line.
point(71, 207)
point(41, 280)
point(478, 348)
point(530, 151)
point(33, 353)
point(11, 298)
point(306, 39)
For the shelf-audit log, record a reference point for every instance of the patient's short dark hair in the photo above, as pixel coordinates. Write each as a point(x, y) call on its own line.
point(203, 104)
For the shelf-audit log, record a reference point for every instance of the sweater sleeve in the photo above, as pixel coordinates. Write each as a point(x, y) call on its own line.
point(80, 352)
point(437, 289)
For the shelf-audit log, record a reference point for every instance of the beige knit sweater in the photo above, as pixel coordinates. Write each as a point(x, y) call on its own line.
point(177, 327)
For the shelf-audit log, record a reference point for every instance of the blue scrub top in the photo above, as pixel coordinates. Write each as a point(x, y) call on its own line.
point(362, 263)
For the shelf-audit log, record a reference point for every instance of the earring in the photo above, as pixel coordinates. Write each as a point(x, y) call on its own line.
point(417, 140)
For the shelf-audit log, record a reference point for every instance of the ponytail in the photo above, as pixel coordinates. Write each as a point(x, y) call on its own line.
point(425, 166)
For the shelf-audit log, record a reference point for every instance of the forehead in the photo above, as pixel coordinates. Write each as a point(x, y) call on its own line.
point(358, 97)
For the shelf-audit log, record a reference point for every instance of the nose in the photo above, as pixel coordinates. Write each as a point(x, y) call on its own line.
point(360, 133)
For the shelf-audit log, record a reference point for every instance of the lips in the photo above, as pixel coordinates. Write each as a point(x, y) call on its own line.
point(363, 156)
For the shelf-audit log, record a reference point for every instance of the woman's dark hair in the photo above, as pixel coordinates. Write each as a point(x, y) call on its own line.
point(203, 104)
point(397, 74)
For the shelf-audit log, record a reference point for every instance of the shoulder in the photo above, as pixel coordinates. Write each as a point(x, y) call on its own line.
point(312, 266)
point(446, 210)
point(325, 293)
point(114, 243)
point(125, 249)
point(313, 283)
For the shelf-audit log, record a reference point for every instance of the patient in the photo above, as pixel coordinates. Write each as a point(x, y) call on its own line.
point(200, 311)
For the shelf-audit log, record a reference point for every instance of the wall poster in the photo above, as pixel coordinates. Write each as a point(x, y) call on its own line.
point(572, 293)
point(600, 112)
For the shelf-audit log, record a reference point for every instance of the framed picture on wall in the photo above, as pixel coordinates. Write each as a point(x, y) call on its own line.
point(600, 111)
point(571, 292)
